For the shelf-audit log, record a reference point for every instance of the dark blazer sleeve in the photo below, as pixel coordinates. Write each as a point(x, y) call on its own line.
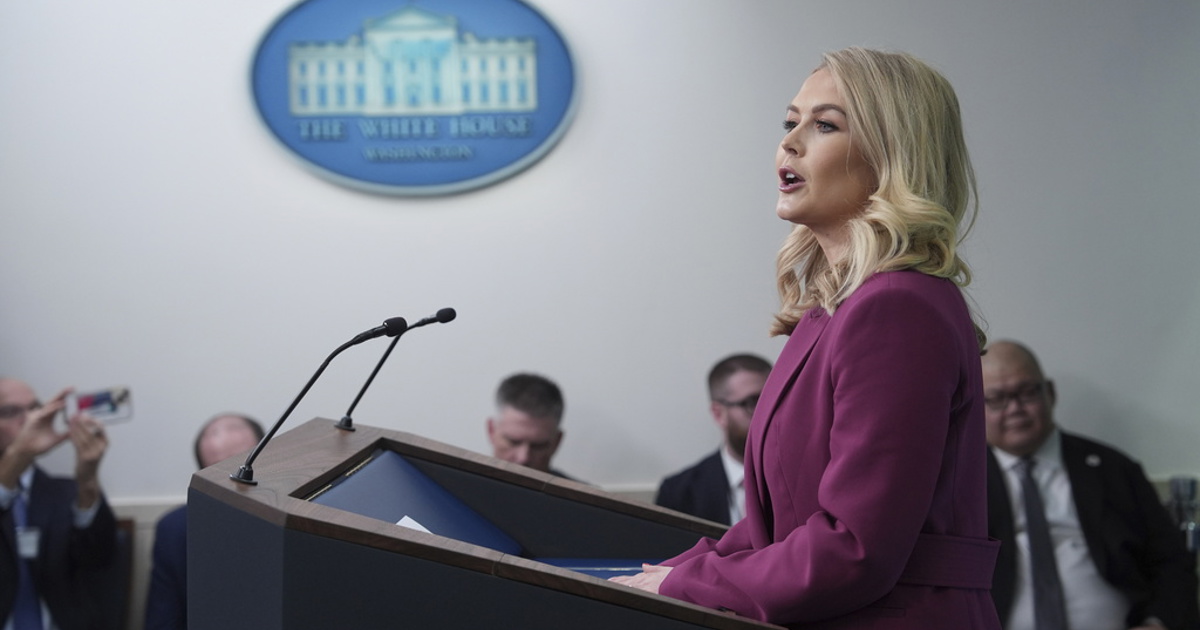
point(702, 490)
point(1132, 539)
point(166, 600)
point(70, 559)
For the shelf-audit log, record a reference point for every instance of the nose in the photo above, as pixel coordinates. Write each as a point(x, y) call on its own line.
point(791, 143)
point(521, 454)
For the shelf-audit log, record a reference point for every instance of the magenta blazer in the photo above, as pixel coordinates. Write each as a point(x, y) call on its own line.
point(866, 483)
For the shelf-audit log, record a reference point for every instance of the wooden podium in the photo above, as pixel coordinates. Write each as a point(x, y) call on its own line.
point(318, 542)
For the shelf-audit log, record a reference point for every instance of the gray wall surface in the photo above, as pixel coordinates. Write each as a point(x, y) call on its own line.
point(154, 234)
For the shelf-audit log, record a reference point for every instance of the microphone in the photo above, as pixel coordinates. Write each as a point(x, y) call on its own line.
point(392, 327)
point(442, 316)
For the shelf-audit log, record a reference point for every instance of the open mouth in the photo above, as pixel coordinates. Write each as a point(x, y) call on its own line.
point(789, 180)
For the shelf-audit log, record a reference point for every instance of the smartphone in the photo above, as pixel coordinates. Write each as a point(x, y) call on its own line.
point(110, 405)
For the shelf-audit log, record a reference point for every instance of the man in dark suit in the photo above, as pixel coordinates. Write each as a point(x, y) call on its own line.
point(712, 489)
point(50, 568)
point(222, 437)
point(1120, 559)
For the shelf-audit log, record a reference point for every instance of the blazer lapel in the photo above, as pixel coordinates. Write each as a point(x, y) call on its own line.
point(789, 363)
point(8, 530)
point(1087, 489)
point(787, 368)
point(40, 501)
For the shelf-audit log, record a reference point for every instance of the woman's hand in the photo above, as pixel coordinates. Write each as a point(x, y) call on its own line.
point(648, 580)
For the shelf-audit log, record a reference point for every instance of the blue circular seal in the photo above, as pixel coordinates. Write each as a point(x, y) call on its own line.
point(415, 98)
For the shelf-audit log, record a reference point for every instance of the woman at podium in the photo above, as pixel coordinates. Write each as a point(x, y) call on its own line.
point(865, 476)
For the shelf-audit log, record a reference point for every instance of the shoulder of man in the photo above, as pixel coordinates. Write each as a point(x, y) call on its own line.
point(695, 473)
point(1093, 452)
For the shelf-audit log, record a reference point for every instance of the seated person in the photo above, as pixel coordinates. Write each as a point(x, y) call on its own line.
point(1114, 558)
point(526, 428)
point(712, 489)
point(223, 436)
point(59, 536)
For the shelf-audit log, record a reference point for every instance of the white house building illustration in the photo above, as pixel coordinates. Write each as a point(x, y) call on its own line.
point(412, 62)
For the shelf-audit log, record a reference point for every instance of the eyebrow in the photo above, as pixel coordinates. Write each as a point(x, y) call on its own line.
point(820, 108)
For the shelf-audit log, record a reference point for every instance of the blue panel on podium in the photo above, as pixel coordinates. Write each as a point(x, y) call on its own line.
point(391, 489)
point(603, 568)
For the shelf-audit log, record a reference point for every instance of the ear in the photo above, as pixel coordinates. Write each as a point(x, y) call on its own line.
point(718, 412)
point(556, 442)
point(491, 428)
point(1051, 393)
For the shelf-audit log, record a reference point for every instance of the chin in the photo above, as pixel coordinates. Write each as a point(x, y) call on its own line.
point(787, 214)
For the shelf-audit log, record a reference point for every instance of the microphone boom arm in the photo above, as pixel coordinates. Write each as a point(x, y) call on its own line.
point(392, 327)
point(441, 317)
point(245, 473)
point(347, 422)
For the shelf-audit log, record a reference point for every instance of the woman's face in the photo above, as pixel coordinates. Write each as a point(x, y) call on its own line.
point(823, 178)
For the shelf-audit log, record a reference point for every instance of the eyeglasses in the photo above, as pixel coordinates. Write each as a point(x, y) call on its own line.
point(746, 404)
point(8, 412)
point(1026, 395)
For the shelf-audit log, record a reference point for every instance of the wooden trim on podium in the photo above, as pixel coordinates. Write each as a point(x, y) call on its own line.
point(299, 462)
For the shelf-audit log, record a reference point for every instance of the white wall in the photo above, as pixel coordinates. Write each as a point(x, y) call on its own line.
point(154, 234)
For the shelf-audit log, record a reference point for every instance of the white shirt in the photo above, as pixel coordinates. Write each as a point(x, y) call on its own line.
point(735, 473)
point(1092, 603)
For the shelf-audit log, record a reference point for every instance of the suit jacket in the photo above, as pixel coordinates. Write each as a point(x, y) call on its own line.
point(1132, 540)
point(865, 474)
point(702, 490)
point(166, 599)
point(71, 563)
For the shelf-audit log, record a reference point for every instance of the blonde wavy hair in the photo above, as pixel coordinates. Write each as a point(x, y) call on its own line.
point(904, 118)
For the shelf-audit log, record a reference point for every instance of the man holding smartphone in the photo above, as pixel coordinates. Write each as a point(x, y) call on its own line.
point(55, 533)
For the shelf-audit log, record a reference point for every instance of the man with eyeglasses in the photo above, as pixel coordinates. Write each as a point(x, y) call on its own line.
point(712, 489)
point(1113, 559)
point(57, 536)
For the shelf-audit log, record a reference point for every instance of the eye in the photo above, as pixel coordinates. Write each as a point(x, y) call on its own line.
point(789, 125)
point(824, 126)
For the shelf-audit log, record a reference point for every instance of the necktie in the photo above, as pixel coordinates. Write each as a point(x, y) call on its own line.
point(27, 610)
point(737, 502)
point(1049, 612)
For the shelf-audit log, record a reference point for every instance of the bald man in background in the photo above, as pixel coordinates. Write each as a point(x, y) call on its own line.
point(1120, 560)
point(222, 437)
